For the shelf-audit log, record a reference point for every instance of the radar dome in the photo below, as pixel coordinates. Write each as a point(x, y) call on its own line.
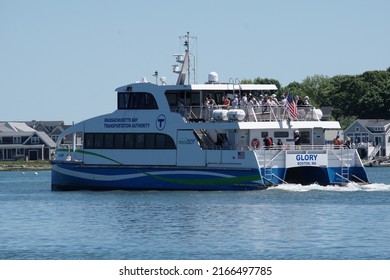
point(213, 77)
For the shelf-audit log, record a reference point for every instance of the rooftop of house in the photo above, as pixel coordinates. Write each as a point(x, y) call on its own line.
point(374, 122)
point(15, 127)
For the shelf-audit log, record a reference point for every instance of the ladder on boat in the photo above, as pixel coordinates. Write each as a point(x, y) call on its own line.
point(268, 173)
point(267, 169)
point(345, 171)
point(345, 164)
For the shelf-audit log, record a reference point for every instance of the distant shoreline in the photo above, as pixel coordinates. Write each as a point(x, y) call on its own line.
point(24, 165)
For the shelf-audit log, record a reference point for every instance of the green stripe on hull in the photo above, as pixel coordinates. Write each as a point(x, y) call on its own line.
point(210, 181)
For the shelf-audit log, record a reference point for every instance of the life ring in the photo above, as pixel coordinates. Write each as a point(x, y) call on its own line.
point(255, 143)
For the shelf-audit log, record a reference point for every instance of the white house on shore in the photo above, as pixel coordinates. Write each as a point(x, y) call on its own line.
point(370, 136)
point(20, 141)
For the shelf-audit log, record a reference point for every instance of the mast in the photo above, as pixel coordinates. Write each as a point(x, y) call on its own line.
point(185, 69)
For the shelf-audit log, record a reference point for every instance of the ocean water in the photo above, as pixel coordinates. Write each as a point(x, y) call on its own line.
point(285, 222)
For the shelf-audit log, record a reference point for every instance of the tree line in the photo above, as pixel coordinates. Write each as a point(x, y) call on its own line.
point(351, 97)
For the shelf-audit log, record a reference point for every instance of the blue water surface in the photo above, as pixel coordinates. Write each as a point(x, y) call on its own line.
point(285, 222)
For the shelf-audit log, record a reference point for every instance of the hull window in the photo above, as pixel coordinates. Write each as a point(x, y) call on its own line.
point(128, 141)
point(305, 137)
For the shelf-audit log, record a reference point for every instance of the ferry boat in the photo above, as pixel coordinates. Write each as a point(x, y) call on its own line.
point(166, 137)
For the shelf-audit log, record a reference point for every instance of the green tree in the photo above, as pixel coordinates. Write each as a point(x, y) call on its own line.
point(377, 95)
point(294, 88)
point(263, 81)
point(316, 88)
point(361, 96)
point(259, 80)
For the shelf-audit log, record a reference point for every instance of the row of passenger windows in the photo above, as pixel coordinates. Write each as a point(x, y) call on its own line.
point(128, 141)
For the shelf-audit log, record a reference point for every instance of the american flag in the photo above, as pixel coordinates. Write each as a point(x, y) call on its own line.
point(292, 107)
point(241, 155)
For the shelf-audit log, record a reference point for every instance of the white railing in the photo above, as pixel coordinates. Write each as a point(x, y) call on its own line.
point(277, 147)
point(257, 113)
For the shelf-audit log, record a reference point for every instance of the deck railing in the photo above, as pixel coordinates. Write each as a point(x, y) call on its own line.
point(258, 113)
point(277, 147)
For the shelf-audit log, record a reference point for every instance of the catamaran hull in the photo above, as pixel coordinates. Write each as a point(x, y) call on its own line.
point(77, 177)
point(71, 176)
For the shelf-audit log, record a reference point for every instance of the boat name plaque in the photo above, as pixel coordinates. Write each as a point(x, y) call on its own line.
point(294, 160)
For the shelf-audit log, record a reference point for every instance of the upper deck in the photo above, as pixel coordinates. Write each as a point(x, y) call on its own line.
point(206, 102)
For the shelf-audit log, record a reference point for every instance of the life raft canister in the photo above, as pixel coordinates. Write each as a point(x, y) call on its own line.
point(255, 143)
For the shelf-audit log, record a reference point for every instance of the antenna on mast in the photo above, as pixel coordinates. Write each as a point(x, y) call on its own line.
point(155, 75)
point(185, 69)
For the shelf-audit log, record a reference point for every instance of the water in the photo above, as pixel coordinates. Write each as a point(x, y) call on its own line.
point(289, 222)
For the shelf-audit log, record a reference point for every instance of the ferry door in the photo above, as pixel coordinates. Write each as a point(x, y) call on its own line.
point(242, 139)
point(189, 152)
point(318, 136)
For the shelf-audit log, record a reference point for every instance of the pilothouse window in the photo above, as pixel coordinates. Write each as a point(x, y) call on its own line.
point(136, 100)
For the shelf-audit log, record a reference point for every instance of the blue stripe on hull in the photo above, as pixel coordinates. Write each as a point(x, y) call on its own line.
point(75, 177)
point(356, 174)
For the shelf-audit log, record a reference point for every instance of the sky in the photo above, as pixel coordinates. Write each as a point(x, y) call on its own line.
point(63, 60)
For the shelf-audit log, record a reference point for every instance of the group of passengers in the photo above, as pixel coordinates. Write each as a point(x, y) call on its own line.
point(337, 142)
point(263, 101)
point(252, 105)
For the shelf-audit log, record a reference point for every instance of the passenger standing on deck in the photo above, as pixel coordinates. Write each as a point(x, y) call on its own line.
point(267, 142)
point(280, 144)
point(306, 101)
point(283, 113)
point(244, 101)
point(244, 105)
point(347, 142)
point(226, 102)
point(300, 101)
point(283, 101)
point(306, 105)
point(251, 110)
point(209, 104)
point(235, 102)
point(265, 103)
point(274, 100)
point(260, 102)
point(297, 139)
point(254, 100)
point(337, 142)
